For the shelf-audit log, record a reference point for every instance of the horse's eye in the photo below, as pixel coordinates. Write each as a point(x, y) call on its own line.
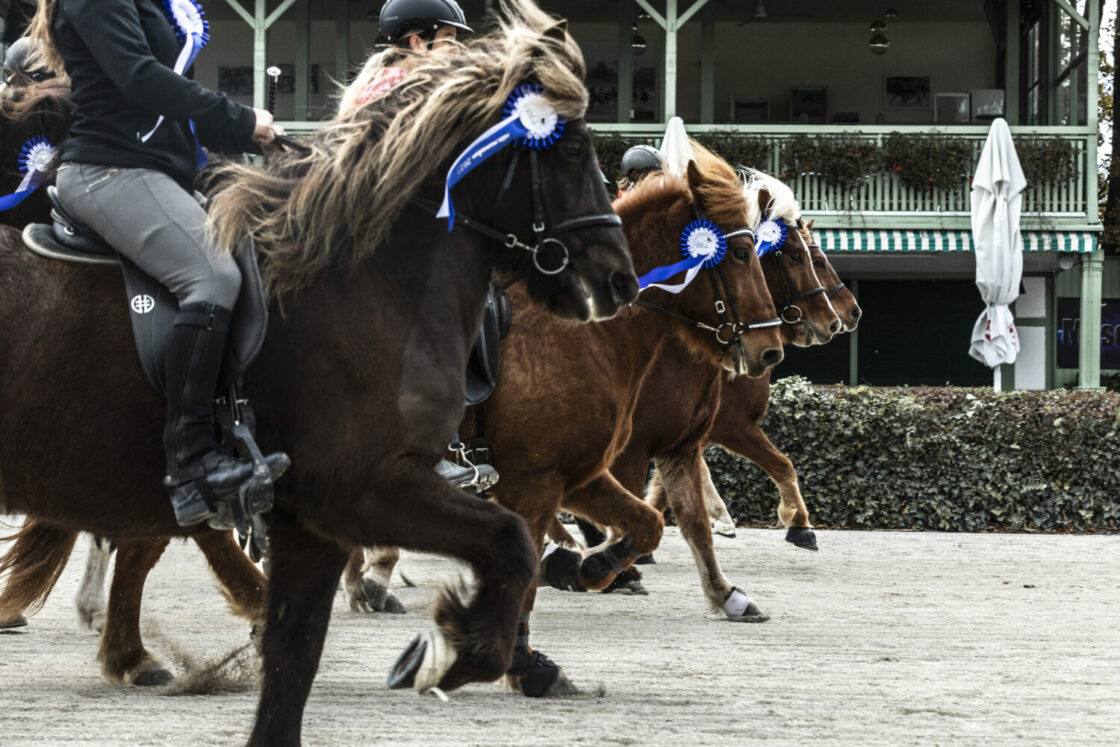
point(817, 264)
point(796, 257)
point(743, 255)
point(572, 148)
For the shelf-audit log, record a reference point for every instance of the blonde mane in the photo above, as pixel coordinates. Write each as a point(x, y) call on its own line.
point(782, 205)
point(336, 204)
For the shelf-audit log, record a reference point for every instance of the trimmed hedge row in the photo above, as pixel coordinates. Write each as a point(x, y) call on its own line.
point(958, 459)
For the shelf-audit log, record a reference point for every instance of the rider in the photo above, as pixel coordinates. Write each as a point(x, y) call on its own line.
point(137, 192)
point(417, 28)
point(638, 162)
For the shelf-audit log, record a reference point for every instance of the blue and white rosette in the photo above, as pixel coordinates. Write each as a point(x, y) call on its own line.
point(528, 120)
point(35, 159)
point(770, 236)
point(703, 246)
point(193, 31)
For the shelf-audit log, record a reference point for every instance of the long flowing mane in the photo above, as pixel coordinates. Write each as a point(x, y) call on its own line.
point(720, 193)
point(337, 203)
point(782, 204)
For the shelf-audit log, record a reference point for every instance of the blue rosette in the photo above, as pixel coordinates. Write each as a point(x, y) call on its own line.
point(34, 161)
point(188, 19)
point(702, 238)
point(538, 117)
point(770, 236)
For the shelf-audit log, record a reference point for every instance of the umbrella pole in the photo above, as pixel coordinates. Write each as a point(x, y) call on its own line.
point(996, 376)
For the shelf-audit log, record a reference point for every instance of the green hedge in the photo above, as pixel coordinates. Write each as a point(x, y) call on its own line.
point(937, 458)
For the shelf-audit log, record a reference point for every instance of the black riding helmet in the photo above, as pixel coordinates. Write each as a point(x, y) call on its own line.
point(641, 158)
point(16, 60)
point(399, 17)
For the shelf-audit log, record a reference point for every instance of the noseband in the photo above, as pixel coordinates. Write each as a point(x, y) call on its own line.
point(730, 324)
point(787, 286)
point(545, 236)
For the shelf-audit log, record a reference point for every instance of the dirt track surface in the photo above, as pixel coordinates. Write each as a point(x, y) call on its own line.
point(880, 638)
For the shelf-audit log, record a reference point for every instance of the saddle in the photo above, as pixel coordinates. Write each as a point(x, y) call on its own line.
point(485, 361)
point(152, 310)
point(152, 307)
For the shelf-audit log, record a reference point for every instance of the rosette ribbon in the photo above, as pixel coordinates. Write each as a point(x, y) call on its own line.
point(193, 31)
point(770, 237)
point(35, 159)
point(703, 245)
point(528, 120)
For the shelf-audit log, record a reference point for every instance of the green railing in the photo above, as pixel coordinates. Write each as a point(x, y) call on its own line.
point(882, 199)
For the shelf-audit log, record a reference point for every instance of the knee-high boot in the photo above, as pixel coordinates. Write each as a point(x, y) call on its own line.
point(198, 474)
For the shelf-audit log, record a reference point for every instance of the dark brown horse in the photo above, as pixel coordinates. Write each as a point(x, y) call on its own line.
point(361, 379)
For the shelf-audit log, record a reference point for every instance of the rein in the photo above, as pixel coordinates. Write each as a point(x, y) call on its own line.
point(725, 309)
point(545, 237)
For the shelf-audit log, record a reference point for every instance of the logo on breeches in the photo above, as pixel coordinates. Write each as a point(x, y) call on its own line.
point(143, 303)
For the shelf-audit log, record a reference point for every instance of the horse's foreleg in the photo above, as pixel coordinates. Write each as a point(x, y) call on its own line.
point(122, 654)
point(655, 492)
point(243, 584)
point(752, 443)
point(302, 585)
point(722, 523)
point(367, 577)
point(90, 601)
point(682, 476)
point(606, 502)
point(419, 510)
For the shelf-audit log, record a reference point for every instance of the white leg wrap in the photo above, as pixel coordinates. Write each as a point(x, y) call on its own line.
point(737, 603)
point(439, 655)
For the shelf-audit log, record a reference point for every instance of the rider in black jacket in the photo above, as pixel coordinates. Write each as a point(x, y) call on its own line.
point(128, 171)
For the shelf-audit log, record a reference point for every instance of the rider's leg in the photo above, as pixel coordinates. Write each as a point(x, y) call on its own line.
point(148, 217)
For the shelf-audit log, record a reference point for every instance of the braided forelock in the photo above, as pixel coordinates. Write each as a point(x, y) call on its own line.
point(310, 212)
point(782, 205)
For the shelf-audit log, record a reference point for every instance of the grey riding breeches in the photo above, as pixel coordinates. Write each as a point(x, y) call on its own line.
point(146, 216)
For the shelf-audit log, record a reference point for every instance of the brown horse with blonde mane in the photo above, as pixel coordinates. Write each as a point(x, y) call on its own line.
point(361, 376)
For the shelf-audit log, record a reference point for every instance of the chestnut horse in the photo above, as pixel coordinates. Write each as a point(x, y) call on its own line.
point(361, 378)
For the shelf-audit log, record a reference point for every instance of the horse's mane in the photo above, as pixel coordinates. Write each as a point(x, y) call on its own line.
point(337, 203)
point(720, 191)
point(782, 204)
point(49, 98)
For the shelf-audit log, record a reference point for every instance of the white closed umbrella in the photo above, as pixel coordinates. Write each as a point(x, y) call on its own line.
point(996, 205)
point(676, 150)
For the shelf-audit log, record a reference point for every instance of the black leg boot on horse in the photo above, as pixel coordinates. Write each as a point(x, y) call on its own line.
point(200, 476)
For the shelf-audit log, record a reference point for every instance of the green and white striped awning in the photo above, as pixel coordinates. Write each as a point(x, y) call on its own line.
point(838, 240)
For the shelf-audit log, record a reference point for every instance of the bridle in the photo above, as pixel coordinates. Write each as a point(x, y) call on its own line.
point(544, 235)
point(729, 321)
point(832, 293)
point(787, 287)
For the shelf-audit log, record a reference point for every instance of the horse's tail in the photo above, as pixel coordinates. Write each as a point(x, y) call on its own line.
point(32, 567)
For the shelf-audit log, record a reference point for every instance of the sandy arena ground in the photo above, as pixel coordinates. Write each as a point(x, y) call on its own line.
point(880, 638)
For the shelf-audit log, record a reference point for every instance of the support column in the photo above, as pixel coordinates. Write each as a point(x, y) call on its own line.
point(671, 23)
point(853, 343)
point(260, 55)
point(1011, 65)
point(342, 42)
point(708, 65)
point(625, 60)
point(303, 61)
point(1089, 360)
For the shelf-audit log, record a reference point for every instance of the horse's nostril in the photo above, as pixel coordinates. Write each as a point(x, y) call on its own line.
point(835, 327)
point(771, 356)
point(856, 314)
point(625, 286)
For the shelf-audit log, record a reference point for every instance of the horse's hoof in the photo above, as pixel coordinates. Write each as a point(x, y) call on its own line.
point(723, 528)
point(423, 663)
point(802, 537)
point(156, 675)
point(11, 625)
point(646, 560)
point(375, 597)
point(741, 608)
point(628, 582)
point(538, 676)
point(560, 568)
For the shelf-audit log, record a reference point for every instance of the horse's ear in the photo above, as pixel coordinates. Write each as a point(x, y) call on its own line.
point(558, 30)
point(695, 181)
point(809, 225)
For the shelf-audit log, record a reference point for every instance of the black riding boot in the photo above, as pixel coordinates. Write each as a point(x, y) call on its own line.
point(198, 474)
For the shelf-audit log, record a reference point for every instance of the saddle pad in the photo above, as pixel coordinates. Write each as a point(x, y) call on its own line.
point(152, 307)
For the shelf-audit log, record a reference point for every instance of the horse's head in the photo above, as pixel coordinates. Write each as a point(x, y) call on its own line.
point(842, 299)
point(802, 301)
point(732, 320)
